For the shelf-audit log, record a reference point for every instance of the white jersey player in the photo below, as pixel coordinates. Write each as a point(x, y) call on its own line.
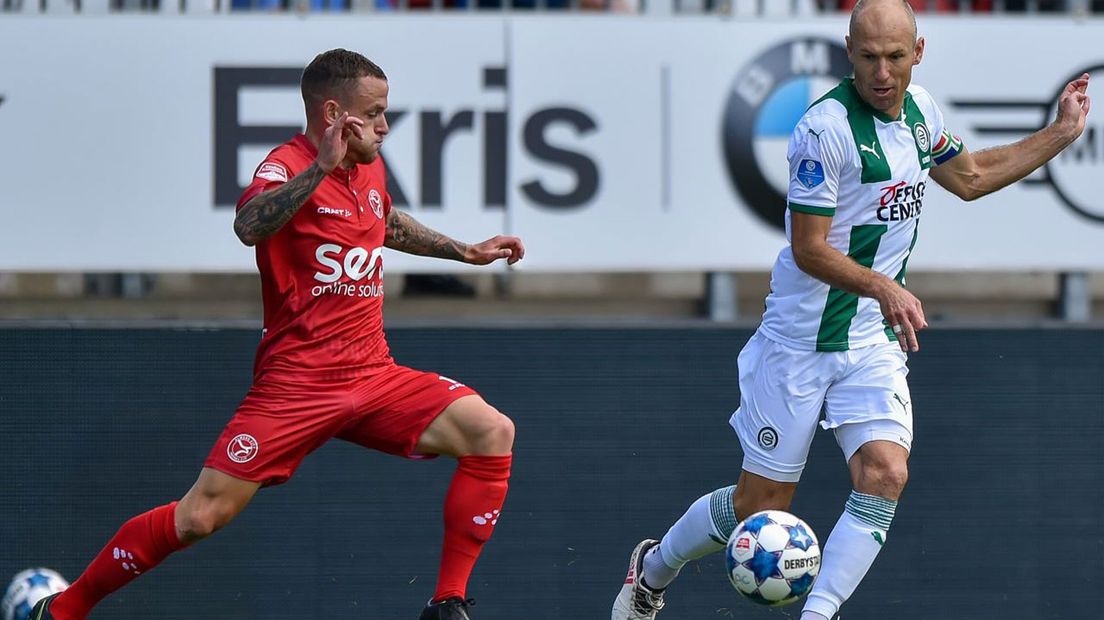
point(839, 322)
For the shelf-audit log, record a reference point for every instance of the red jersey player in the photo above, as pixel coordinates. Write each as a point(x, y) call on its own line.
point(319, 215)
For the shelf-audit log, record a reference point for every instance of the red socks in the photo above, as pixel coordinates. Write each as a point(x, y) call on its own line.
point(138, 546)
point(472, 507)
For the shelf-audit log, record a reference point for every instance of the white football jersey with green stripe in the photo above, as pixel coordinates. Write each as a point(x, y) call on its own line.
point(869, 173)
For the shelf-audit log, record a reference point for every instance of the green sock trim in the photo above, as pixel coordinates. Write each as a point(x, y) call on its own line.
point(872, 510)
point(724, 515)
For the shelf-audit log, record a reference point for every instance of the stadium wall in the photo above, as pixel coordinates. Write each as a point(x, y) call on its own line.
point(604, 157)
point(618, 431)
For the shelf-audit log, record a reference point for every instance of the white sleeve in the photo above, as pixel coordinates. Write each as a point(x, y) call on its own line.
point(945, 144)
point(818, 155)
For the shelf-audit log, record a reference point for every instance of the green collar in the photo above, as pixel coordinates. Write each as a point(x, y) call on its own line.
point(882, 116)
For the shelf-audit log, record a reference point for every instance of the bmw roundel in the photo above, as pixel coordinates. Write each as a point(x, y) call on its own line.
point(767, 99)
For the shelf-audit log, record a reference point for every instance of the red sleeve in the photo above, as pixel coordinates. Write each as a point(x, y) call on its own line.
point(386, 204)
point(271, 173)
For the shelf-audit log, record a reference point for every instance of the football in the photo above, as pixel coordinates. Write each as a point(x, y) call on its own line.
point(27, 588)
point(773, 558)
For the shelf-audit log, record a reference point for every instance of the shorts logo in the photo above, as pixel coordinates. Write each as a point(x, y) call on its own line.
point(242, 448)
point(768, 438)
point(376, 203)
point(272, 172)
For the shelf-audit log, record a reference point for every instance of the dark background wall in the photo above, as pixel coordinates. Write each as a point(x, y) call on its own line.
point(618, 431)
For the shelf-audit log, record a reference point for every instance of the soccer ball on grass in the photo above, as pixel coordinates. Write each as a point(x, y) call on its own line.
point(772, 558)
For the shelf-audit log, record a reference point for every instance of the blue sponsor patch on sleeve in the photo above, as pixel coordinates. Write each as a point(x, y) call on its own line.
point(810, 173)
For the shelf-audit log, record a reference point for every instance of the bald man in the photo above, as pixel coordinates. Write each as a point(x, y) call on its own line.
point(839, 322)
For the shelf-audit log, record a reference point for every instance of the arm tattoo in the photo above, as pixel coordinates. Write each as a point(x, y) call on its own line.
point(265, 214)
point(406, 234)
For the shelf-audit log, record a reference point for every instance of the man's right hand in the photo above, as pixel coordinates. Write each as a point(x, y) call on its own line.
point(335, 141)
point(904, 314)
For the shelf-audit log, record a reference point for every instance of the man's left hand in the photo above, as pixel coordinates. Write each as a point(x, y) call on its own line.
point(499, 246)
point(1073, 107)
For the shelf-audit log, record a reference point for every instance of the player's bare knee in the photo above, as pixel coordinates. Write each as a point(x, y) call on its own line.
point(497, 435)
point(200, 521)
point(884, 479)
point(194, 525)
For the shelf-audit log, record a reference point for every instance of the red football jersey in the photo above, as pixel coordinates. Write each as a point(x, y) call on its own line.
point(322, 273)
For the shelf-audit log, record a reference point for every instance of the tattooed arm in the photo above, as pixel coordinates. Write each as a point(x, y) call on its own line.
point(406, 234)
point(265, 214)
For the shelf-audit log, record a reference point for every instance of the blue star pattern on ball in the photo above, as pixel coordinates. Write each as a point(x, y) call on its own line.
point(757, 522)
point(764, 564)
point(802, 584)
point(799, 537)
point(38, 579)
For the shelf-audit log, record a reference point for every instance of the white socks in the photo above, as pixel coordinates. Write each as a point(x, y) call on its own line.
point(847, 555)
point(703, 529)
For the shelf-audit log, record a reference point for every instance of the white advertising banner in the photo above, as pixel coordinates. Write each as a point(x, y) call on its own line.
point(607, 144)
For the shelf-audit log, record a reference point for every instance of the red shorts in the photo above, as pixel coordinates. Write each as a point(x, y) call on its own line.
point(280, 422)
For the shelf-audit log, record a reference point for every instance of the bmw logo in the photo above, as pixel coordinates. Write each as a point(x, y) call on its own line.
point(1076, 172)
point(768, 98)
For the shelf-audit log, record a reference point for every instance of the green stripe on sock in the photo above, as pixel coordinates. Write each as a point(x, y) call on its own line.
point(720, 508)
point(872, 510)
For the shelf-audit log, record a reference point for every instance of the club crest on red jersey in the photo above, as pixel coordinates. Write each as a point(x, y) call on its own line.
point(376, 202)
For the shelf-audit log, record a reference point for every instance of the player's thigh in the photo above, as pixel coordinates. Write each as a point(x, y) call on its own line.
point(871, 402)
point(276, 426)
point(416, 414)
point(781, 396)
point(468, 426)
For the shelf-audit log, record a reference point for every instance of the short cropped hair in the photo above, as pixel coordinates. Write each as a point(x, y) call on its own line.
point(861, 4)
point(330, 73)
